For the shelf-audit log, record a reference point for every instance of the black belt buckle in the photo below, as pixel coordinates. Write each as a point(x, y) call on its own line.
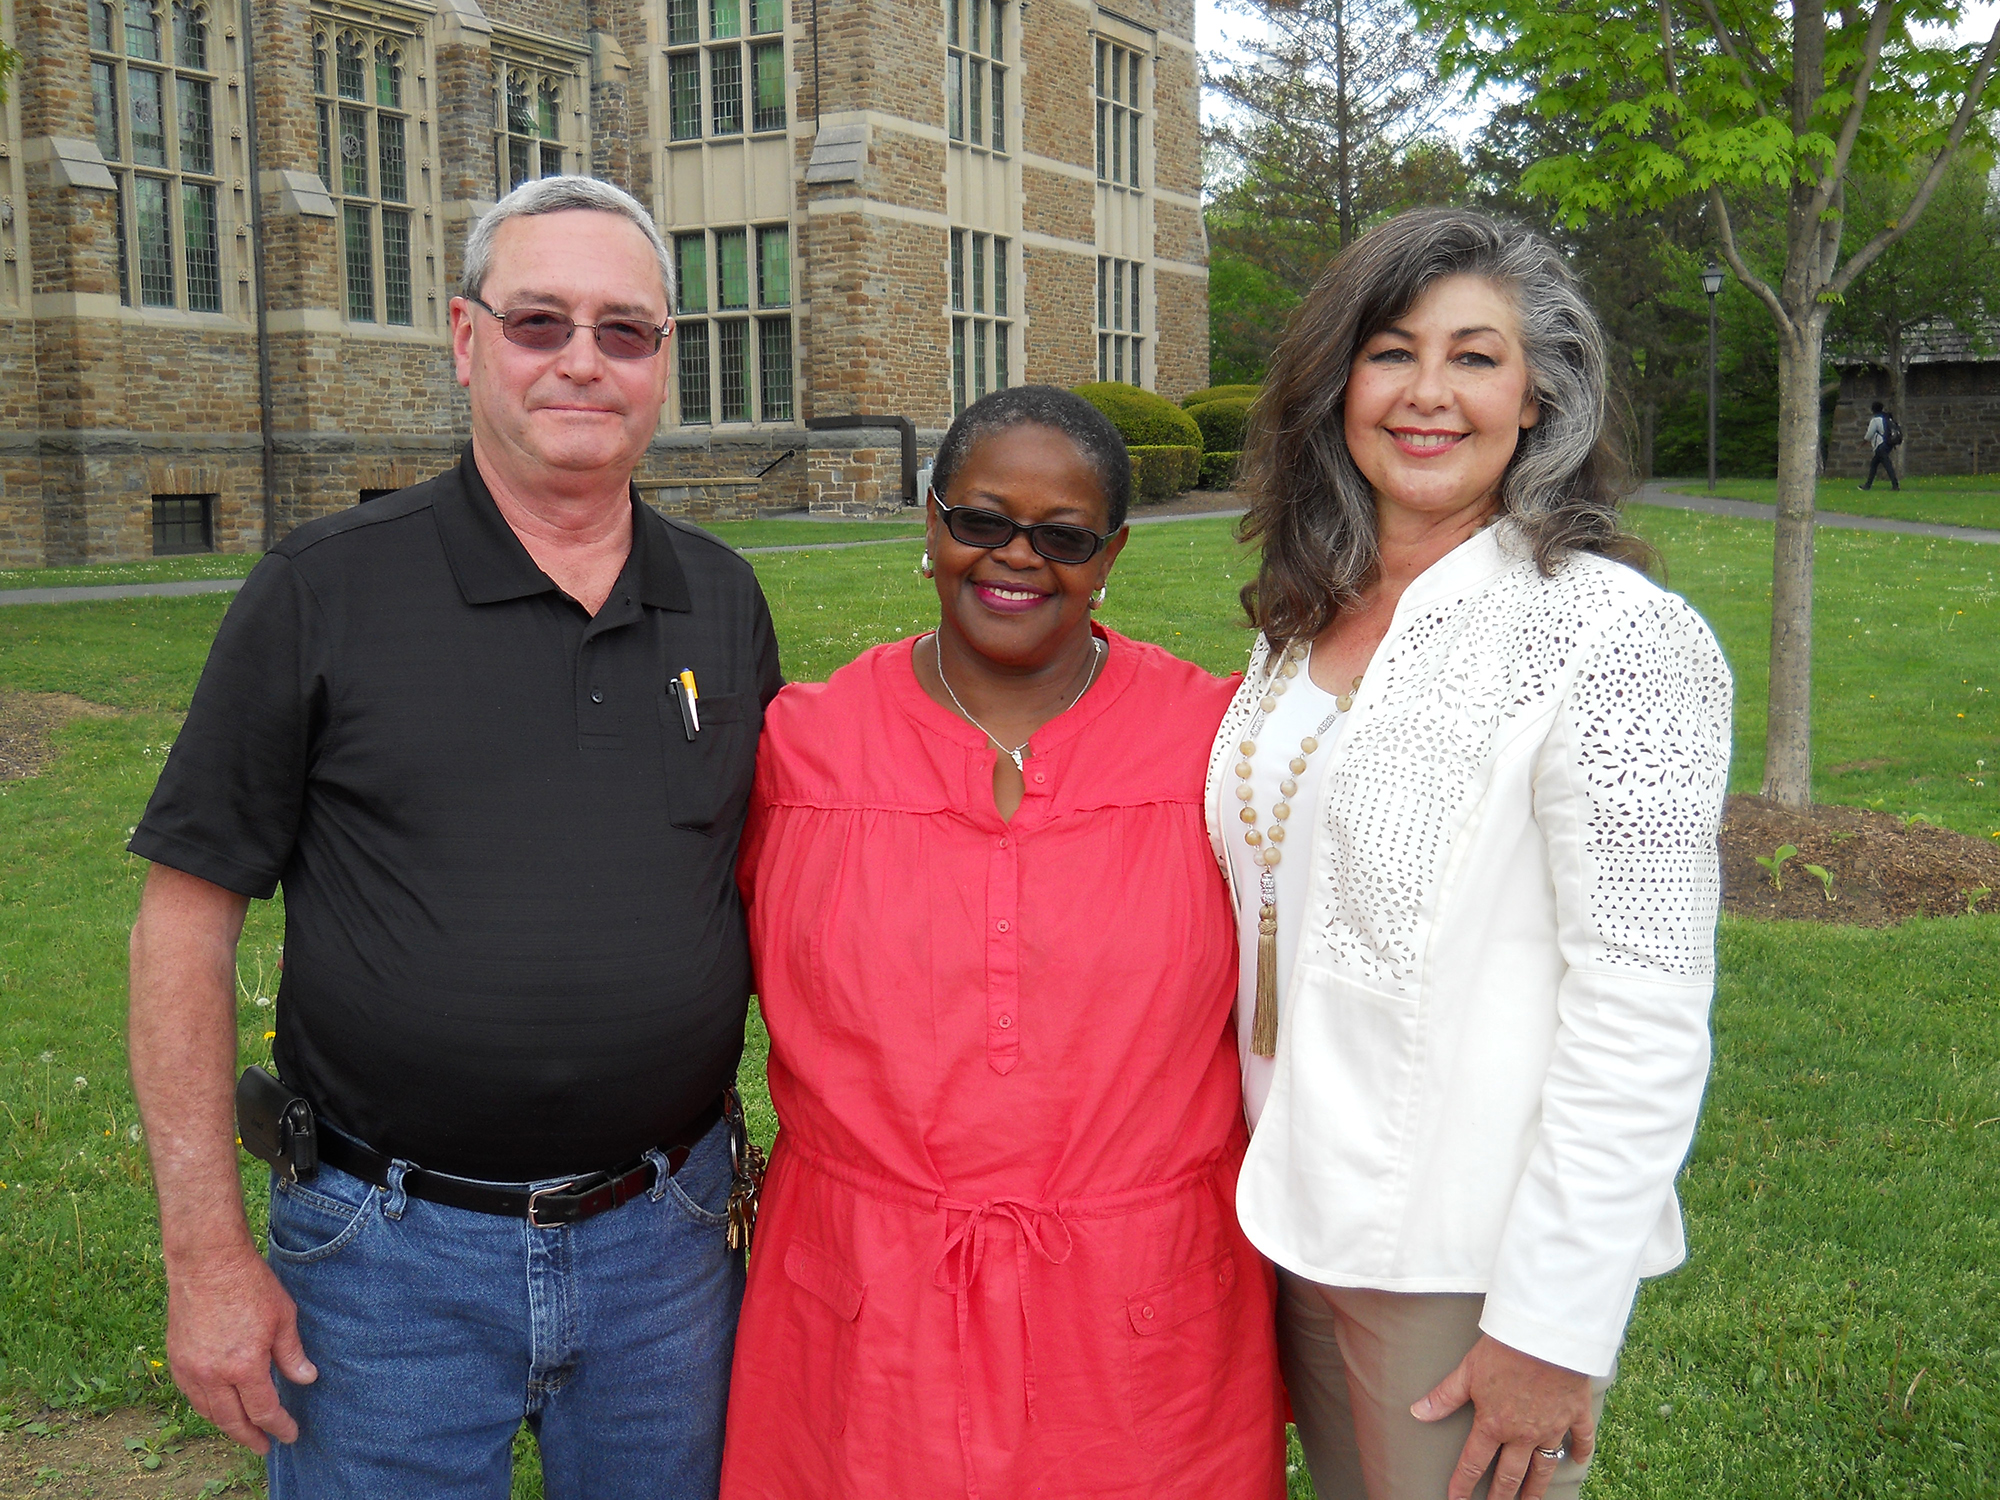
point(535, 1204)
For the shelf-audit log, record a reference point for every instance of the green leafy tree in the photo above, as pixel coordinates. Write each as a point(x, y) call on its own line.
point(1247, 309)
point(1326, 99)
point(1767, 108)
point(1642, 270)
point(1945, 270)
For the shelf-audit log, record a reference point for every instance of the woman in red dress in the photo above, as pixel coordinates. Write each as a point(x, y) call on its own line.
point(998, 1254)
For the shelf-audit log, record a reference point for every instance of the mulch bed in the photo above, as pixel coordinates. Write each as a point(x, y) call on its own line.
point(1883, 869)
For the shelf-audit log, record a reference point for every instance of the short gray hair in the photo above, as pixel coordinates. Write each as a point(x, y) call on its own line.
point(554, 195)
point(1312, 507)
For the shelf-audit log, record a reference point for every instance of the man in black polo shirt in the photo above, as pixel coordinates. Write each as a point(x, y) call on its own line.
point(494, 735)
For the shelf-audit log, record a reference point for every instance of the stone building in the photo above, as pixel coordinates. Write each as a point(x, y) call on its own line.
point(1950, 409)
point(879, 210)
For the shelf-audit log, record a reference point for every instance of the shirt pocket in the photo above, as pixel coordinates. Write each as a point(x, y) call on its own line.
point(709, 776)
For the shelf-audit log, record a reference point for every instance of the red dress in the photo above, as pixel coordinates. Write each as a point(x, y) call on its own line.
point(998, 1253)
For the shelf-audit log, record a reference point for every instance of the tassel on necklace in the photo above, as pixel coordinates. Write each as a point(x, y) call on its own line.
point(1264, 1023)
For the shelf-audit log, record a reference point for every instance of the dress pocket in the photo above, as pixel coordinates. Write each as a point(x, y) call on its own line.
point(314, 1223)
point(1182, 1340)
point(828, 1313)
point(708, 777)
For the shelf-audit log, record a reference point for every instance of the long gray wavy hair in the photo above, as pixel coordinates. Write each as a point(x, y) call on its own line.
point(1314, 510)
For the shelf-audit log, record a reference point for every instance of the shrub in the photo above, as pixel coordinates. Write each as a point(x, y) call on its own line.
point(1145, 419)
point(1218, 470)
point(1221, 423)
point(1161, 471)
point(1219, 393)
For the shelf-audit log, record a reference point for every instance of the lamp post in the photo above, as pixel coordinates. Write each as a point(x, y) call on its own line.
point(1711, 282)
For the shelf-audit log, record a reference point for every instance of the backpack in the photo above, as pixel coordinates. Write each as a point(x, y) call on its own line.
point(1892, 432)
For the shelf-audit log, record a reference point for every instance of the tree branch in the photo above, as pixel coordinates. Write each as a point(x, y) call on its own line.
point(1867, 255)
point(1729, 50)
point(1726, 232)
point(1850, 128)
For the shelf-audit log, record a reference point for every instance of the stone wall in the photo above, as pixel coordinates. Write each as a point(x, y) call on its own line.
point(1951, 424)
point(1180, 350)
point(1061, 303)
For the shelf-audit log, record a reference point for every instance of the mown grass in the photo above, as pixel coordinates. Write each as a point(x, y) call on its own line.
point(1943, 499)
point(778, 533)
point(1906, 659)
point(1839, 1198)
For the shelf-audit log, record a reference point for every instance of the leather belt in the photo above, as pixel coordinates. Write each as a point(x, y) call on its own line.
point(571, 1202)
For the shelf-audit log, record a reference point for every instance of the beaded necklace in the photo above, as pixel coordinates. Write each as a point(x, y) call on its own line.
point(1266, 846)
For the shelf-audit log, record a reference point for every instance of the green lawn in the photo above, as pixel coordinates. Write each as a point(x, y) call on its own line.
point(238, 564)
point(1946, 499)
point(1839, 1199)
point(1905, 667)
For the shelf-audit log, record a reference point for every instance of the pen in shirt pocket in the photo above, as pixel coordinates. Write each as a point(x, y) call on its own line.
point(689, 695)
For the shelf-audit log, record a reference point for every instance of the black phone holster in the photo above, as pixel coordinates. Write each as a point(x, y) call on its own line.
point(275, 1124)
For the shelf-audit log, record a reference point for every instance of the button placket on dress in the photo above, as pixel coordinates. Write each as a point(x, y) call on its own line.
point(1003, 948)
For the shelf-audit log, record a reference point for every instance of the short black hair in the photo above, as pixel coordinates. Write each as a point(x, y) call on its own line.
point(1043, 406)
point(1876, 407)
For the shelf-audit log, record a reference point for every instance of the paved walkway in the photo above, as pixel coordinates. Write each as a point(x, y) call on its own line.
point(1652, 494)
point(1751, 510)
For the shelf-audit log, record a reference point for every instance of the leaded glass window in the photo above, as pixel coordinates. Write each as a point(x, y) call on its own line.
point(1119, 115)
point(531, 141)
point(975, 73)
point(719, 82)
point(153, 92)
point(1120, 335)
point(736, 368)
point(980, 344)
point(368, 135)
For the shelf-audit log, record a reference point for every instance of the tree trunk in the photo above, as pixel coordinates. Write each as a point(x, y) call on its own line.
point(1343, 159)
point(1647, 414)
point(1788, 737)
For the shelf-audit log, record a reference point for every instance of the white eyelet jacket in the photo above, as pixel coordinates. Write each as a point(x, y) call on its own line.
point(1492, 1045)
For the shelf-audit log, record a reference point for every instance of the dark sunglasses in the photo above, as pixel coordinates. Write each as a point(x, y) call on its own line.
point(545, 332)
point(1051, 539)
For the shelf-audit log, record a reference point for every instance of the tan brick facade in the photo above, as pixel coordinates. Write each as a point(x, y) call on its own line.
point(129, 364)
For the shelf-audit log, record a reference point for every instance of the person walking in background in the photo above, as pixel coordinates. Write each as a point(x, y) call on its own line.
point(1468, 797)
point(459, 725)
point(1885, 436)
point(997, 1255)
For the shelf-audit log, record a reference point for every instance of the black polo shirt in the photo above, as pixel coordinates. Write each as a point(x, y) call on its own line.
point(513, 942)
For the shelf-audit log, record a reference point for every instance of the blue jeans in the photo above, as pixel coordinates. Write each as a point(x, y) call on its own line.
point(437, 1331)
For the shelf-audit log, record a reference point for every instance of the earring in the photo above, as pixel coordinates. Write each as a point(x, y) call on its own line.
point(1097, 595)
point(927, 568)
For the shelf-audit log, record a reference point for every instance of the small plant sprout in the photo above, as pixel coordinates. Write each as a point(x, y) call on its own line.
point(1824, 876)
point(1913, 819)
point(1774, 862)
point(1974, 896)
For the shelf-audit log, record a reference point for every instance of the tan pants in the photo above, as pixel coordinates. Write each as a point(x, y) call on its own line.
point(1355, 1360)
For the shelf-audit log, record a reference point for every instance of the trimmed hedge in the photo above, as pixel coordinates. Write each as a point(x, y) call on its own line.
point(1219, 393)
point(1221, 422)
point(1144, 419)
point(1218, 470)
point(1161, 471)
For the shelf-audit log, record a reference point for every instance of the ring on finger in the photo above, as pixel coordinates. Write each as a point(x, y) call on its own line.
point(1554, 1455)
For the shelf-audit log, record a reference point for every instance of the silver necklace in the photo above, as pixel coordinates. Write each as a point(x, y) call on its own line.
point(1014, 754)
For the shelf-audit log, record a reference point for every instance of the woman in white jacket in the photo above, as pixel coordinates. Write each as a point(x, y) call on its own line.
point(1475, 977)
